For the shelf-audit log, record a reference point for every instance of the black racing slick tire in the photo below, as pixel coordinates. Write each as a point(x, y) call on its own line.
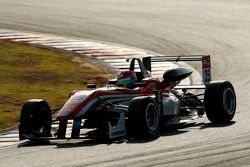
point(220, 102)
point(35, 119)
point(143, 117)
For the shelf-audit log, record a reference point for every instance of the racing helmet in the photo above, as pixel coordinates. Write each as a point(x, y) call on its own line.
point(127, 78)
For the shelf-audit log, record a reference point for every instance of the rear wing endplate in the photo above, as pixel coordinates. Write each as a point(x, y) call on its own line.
point(205, 60)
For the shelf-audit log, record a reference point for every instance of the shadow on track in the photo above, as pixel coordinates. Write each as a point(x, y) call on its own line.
point(34, 143)
point(169, 130)
point(213, 125)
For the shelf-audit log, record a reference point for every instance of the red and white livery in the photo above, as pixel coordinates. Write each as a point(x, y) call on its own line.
point(134, 104)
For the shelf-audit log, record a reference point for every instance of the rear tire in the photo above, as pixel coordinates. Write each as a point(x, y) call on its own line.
point(35, 119)
point(220, 102)
point(143, 117)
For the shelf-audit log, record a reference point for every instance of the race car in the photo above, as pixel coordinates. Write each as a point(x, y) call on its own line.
point(134, 104)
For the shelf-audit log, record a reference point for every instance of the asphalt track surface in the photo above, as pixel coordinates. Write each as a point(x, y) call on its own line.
point(220, 28)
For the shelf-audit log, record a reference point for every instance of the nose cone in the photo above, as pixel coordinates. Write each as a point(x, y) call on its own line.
point(73, 105)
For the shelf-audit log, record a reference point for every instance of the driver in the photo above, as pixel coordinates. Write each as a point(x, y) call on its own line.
point(127, 79)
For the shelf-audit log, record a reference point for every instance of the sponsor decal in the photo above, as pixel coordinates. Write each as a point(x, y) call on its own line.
point(158, 97)
point(118, 133)
point(206, 69)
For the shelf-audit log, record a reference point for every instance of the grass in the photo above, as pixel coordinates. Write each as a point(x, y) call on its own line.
point(27, 72)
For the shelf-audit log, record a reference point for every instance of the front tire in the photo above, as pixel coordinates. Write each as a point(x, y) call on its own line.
point(143, 117)
point(220, 102)
point(35, 119)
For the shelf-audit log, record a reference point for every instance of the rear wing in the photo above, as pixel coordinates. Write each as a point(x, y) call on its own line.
point(204, 59)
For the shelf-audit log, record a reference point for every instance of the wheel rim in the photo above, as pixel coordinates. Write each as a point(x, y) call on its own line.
point(229, 100)
point(152, 117)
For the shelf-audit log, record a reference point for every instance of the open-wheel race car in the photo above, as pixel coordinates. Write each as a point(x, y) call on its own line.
point(136, 103)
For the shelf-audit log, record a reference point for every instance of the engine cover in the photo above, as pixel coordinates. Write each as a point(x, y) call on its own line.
point(176, 74)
